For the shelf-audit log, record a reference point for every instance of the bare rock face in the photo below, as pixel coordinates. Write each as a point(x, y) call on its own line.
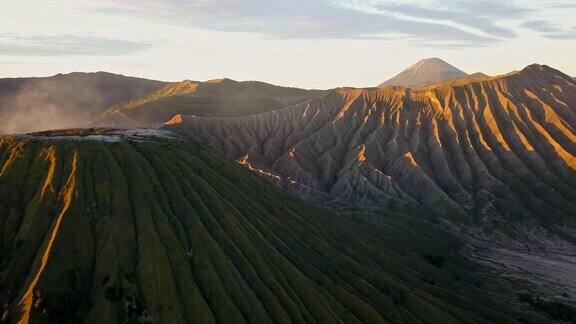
point(215, 98)
point(426, 72)
point(498, 152)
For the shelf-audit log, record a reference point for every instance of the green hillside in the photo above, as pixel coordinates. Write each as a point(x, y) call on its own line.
point(107, 227)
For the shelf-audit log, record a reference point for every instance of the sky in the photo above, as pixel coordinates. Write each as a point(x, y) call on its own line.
point(311, 44)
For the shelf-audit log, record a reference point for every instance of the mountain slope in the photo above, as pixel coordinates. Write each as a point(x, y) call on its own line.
point(106, 226)
point(216, 98)
point(425, 72)
point(496, 156)
point(478, 75)
point(64, 100)
point(446, 137)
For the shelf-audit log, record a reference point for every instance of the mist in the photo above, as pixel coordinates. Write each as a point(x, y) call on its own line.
point(64, 101)
point(46, 105)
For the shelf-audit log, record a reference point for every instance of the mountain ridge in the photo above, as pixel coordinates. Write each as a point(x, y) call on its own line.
point(487, 153)
point(219, 97)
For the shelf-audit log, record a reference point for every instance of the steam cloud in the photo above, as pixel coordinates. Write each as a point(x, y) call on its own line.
point(46, 105)
point(63, 101)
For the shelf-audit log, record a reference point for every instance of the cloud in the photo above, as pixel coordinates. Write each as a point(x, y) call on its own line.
point(66, 44)
point(550, 30)
point(562, 5)
point(480, 15)
point(541, 26)
point(461, 23)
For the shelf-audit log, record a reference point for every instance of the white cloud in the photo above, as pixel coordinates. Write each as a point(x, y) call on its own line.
point(439, 23)
point(550, 30)
point(67, 44)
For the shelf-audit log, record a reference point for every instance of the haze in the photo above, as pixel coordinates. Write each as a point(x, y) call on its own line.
point(310, 44)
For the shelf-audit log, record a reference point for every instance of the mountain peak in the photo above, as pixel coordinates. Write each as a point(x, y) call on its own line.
point(222, 80)
point(431, 60)
point(426, 72)
point(542, 72)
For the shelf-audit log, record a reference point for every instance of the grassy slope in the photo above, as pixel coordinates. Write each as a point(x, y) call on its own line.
point(174, 229)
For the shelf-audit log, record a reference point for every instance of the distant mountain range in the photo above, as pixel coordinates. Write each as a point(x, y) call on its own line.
point(106, 99)
point(215, 98)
